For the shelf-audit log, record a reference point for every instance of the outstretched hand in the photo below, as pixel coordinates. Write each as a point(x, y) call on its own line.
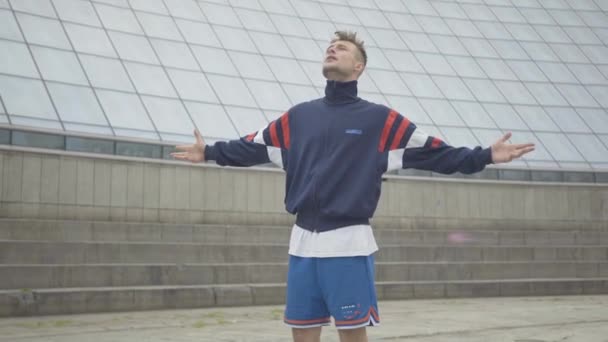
point(503, 152)
point(194, 153)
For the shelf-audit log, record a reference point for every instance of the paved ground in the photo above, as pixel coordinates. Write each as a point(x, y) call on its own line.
point(531, 319)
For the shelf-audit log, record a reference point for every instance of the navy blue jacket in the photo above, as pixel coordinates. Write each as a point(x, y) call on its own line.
point(335, 150)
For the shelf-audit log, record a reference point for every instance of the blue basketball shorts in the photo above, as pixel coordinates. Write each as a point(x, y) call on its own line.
point(341, 287)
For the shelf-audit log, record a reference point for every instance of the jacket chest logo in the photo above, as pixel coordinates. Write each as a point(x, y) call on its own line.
point(354, 131)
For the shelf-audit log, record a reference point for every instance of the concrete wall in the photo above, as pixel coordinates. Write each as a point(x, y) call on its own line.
point(63, 186)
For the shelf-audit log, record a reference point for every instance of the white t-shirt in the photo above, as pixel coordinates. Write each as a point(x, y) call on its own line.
point(355, 240)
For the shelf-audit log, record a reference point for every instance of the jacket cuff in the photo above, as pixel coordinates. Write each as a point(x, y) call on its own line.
point(210, 152)
point(486, 155)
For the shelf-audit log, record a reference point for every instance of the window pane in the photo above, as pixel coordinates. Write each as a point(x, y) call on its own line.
point(441, 112)
point(234, 39)
point(89, 145)
point(174, 54)
point(473, 114)
point(42, 140)
point(418, 42)
point(536, 118)
point(310, 10)
point(466, 67)
point(546, 94)
point(211, 120)
point(269, 95)
point(576, 95)
point(458, 137)
point(421, 85)
point(76, 104)
point(387, 39)
point(40, 7)
point(515, 92)
point(600, 93)
point(192, 85)
point(134, 48)
point(569, 53)
point(214, 60)
point(376, 59)
point(557, 72)
point(388, 82)
point(496, 69)
point(435, 64)
point(509, 49)
point(484, 90)
point(57, 65)
point(590, 146)
point(539, 51)
point(43, 31)
point(527, 71)
point(255, 20)
point(372, 18)
point(137, 150)
point(150, 79)
point(540, 149)
point(270, 44)
point(403, 60)
point(198, 33)
point(560, 147)
point(118, 19)
point(246, 120)
point(487, 136)
point(505, 117)
point(106, 73)
point(184, 9)
point(231, 90)
point(218, 14)
point(588, 74)
point(289, 25)
point(26, 97)
point(341, 14)
point(8, 26)
point(169, 116)
point(156, 6)
point(597, 119)
point(479, 47)
point(567, 119)
point(15, 59)
point(306, 49)
point(553, 34)
point(453, 88)
point(287, 70)
point(298, 94)
point(450, 45)
point(90, 40)
point(124, 110)
point(410, 108)
point(433, 25)
point(77, 11)
point(159, 26)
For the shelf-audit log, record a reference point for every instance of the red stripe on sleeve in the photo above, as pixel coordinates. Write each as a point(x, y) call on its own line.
point(273, 134)
point(285, 128)
point(405, 123)
point(436, 142)
point(392, 115)
point(250, 136)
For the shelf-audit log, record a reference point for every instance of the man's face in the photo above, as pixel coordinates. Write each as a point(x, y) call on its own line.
point(341, 61)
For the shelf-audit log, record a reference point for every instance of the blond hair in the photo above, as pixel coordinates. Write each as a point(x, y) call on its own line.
point(352, 37)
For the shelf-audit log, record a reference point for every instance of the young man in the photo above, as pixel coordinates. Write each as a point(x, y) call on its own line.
point(334, 151)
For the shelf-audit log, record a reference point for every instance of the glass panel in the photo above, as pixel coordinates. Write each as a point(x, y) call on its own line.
point(298, 94)
point(159, 26)
point(43, 31)
point(192, 85)
point(546, 94)
point(198, 33)
point(487, 137)
point(372, 18)
point(505, 117)
point(466, 67)
point(576, 95)
point(433, 25)
point(565, 18)
point(26, 97)
point(403, 60)
point(450, 45)
point(95, 129)
point(403, 22)
point(251, 65)
point(277, 6)
point(124, 110)
point(156, 6)
point(40, 7)
point(77, 11)
point(590, 147)
point(289, 25)
point(365, 83)
point(130, 149)
point(373, 97)
point(16, 59)
point(118, 19)
point(8, 26)
point(388, 82)
point(270, 44)
point(341, 14)
point(527, 71)
point(376, 59)
point(458, 137)
point(420, 7)
point(211, 120)
point(89, 145)
point(35, 122)
point(421, 85)
point(508, 14)
point(174, 54)
point(453, 88)
point(314, 72)
point(484, 90)
point(588, 74)
point(473, 114)
point(391, 6)
point(597, 119)
point(185, 9)
point(569, 53)
point(169, 116)
point(493, 30)
point(515, 92)
point(269, 95)
point(287, 70)
point(76, 104)
point(418, 42)
point(255, 20)
point(231, 90)
point(31, 139)
point(496, 69)
point(218, 14)
point(540, 151)
point(441, 112)
point(537, 16)
point(479, 47)
point(310, 10)
point(246, 120)
point(523, 32)
point(557, 72)
point(600, 94)
point(553, 34)
point(536, 118)
point(478, 12)
point(509, 49)
point(5, 136)
point(234, 39)
point(387, 38)
point(57, 65)
point(463, 28)
point(305, 48)
point(135, 133)
point(320, 29)
point(134, 48)
point(560, 147)
point(539, 51)
point(567, 119)
point(594, 19)
point(449, 10)
point(410, 108)
point(214, 60)
point(90, 40)
point(435, 64)
point(150, 79)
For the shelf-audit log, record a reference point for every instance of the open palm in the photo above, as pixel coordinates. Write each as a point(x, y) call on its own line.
point(503, 152)
point(194, 153)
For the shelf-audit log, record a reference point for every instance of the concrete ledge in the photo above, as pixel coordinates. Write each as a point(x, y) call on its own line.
point(85, 300)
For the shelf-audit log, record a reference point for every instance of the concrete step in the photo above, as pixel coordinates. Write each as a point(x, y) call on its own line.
point(42, 252)
point(54, 230)
point(57, 276)
point(107, 299)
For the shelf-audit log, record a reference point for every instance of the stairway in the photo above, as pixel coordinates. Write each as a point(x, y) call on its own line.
point(63, 267)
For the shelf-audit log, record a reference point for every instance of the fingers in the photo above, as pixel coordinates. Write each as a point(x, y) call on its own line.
point(180, 155)
point(199, 137)
point(523, 151)
point(506, 137)
point(522, 146)
point(183, 147)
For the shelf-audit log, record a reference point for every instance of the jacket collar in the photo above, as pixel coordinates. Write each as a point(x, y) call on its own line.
point(340, 92)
